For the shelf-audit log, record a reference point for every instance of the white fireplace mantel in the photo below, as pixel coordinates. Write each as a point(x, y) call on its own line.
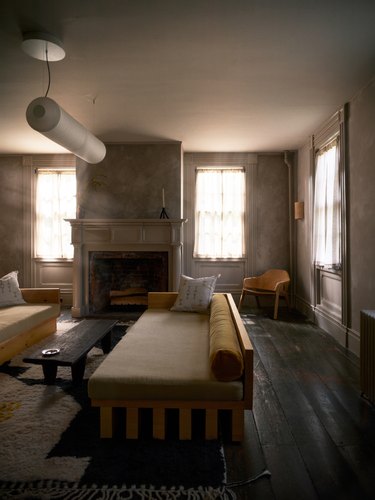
point(90, 235)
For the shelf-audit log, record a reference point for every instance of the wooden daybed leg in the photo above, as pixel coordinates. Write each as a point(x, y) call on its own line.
point(238, 422)
point(185, 423)
point(106, 422)
point(158, 423)
point(211, 424)
point(131, 423)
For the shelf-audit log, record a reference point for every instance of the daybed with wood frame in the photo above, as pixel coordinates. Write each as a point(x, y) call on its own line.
point(177, 360)
point(23, 325)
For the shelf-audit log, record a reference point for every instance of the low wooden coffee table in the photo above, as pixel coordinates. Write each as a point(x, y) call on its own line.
point(73, 346)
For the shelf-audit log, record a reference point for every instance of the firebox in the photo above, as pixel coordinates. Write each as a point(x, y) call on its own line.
point(121, 280)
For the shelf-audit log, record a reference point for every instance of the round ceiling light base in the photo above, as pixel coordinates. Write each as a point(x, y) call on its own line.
point(43, 46)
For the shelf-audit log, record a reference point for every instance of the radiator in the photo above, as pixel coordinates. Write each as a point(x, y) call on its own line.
point(367, 355)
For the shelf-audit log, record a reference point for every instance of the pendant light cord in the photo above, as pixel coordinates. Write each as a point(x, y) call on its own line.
point(49, 73)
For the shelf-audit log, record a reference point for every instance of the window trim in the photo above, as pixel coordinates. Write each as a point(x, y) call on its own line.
point(232, 270)
point(223, 168)
point(53, 170)
point(333, 142)
point(334, 127)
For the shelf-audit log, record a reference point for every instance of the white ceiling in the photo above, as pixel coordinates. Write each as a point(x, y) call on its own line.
point(217, 75)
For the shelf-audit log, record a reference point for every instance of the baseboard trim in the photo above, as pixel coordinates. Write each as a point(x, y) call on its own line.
point(66, 297)
point(331, 326)
point(354, 342)
point(304, 307)
point(347, 338)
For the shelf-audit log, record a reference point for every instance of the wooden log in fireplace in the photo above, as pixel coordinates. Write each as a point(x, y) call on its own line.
point(129, 297)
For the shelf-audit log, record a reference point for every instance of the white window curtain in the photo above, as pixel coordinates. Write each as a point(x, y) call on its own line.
point(219, 213)
point(55, 201)
point(327, 206)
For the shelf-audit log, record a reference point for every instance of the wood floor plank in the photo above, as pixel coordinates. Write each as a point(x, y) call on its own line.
point(329, 390)
point(326, 405)
point(273, 428)
point(246, 460)
point(309, 424)
point(288, 393)
point(290, 479)
point(362, 459)
point(331, 474)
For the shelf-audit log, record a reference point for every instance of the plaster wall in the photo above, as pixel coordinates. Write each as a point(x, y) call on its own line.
point(362, 202)
point(128, 183)
point(11, 209)
point(272, 213)
point(360, 173)
point(267, 227)
point(303, 229)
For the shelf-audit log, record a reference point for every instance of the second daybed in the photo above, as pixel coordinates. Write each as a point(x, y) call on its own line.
point(30, 316)
point(177, 360)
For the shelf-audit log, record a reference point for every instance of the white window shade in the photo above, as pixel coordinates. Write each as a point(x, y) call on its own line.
point(219, 213)
point(55, 201)
point(327, 208)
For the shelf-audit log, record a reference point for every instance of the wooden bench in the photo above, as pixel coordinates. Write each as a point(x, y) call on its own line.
point(73, 347)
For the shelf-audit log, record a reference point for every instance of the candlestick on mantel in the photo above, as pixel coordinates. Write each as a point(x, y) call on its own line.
point(163, 213)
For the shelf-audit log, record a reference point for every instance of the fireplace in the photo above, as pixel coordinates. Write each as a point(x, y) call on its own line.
point(120, 281)
point(118, 261)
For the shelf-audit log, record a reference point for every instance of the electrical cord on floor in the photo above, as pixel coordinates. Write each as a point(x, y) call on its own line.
point(243, 482)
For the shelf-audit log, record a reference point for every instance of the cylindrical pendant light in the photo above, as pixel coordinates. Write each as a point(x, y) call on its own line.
point(45, 116)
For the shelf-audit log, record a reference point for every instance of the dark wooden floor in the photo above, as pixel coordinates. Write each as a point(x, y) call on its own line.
point(309, 426)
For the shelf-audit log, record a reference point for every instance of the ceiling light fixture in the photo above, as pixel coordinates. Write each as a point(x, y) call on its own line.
point(44, 114)
point(37, 44)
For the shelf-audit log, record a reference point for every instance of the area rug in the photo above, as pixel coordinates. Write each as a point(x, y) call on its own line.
point(50, 446)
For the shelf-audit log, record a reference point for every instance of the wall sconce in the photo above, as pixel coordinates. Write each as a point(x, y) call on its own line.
point(44, 114)
point(299, 210)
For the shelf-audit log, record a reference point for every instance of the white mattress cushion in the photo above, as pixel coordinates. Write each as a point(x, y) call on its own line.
point(163, 356)
point(17, 319)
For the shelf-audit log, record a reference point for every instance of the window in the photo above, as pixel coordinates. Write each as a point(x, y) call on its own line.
point(219, 213)
point(55, 201)
point(327, 208)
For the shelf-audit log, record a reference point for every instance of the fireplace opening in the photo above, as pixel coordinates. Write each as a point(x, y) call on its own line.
point(120, 280)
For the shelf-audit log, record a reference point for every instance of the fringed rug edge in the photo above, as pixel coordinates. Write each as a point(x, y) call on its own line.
point(54, 490)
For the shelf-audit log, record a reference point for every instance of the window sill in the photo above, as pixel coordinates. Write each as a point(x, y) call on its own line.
point(52, 259)
point(215, 259)
point(331, 270)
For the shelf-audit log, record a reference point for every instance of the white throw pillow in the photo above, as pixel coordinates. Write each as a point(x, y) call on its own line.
point(194, 295)
point(10, 293)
